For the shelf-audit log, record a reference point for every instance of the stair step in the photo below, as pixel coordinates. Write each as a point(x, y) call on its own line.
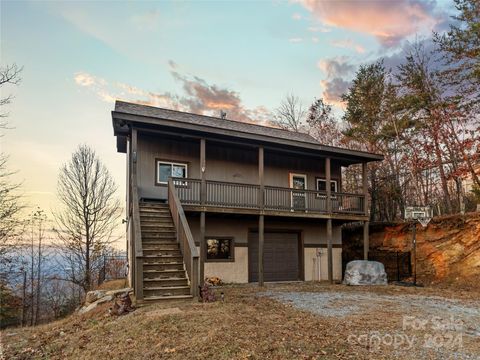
point(170, 245)
point(154, 204)
point(156, 233)
point(155, 260)
point(157, 225)
point(171, 266)
point(161, 253)
point(145, 209)
point(166, 291)
point(164, 298)
point(164, 274)
point(150, 217)
point(165, 283)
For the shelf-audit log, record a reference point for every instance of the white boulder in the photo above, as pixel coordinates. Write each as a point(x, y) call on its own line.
point(364, 272)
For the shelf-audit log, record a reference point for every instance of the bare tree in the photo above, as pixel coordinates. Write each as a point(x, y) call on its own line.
point(9, 74)
point(290, 115)
point(85, 226)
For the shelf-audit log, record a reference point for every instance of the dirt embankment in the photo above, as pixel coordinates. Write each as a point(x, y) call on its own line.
point(448, 249)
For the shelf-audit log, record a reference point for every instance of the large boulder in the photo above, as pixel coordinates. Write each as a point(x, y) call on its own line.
point(363, 272)
point(93, 296)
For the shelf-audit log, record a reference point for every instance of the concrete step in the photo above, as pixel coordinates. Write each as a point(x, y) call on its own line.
point(161, 283)
point(170, 266)
point(165, 291)
point(164, 274)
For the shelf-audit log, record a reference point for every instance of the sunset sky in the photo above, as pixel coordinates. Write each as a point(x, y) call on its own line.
point(242, 57)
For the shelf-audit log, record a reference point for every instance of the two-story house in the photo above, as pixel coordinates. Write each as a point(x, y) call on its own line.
point(208, 196)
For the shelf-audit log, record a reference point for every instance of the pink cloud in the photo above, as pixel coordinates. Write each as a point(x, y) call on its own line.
point(388, 21)
point(349, 44)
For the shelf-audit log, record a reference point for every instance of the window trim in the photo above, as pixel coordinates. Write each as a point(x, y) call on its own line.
point(232, 248)
point(317, 179)
point(169, 162)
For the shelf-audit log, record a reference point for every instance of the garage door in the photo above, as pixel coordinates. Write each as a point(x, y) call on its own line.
point(280, 257)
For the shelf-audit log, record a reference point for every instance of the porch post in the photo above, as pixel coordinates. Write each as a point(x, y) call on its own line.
point(329, 221)
point(261, 220)
point(203, 193)
point(366, 239)
point(329, 251)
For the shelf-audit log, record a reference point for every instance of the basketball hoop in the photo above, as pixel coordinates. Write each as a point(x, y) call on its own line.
point(424, 221)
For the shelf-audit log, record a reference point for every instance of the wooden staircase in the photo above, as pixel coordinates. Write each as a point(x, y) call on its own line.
point(164, 275)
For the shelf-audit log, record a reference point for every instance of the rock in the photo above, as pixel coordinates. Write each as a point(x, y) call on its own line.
point(105, 299)
point(363, 272)
point(93, 296)
point(88, 308)
point(118, 291)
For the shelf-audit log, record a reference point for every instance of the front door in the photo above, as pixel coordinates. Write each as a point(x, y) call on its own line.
point(298, 182)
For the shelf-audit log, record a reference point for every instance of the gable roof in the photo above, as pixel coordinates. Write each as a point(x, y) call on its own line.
point(211, 121)
point(137, 113)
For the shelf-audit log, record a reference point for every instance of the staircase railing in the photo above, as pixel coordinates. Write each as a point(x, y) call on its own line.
point(184, 238)
point(137, 242)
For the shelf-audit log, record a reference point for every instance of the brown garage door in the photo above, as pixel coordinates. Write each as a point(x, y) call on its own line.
point(280, 257)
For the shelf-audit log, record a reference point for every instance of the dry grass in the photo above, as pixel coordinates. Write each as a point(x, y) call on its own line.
point(114, 284)
point(245, 326)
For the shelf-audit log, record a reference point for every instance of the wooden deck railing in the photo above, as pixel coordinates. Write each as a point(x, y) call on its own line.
point(246, 196)
point(184, 235)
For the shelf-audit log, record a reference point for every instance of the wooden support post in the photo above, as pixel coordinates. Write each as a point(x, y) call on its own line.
point(203, 196)
point(365, 188)
point(328, 180)
point(261, 230)
point(330, 251)
point(366, 240)
point(203, 248)
point(261, 181)
point(261, 220)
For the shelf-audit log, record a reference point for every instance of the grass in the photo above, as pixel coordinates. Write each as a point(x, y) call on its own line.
point(245, 326)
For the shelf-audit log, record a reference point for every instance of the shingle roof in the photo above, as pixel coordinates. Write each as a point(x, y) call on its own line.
point(158, 116)
point(225, 124)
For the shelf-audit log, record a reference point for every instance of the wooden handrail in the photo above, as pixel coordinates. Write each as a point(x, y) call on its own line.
point(136, 219)
point(184, 238)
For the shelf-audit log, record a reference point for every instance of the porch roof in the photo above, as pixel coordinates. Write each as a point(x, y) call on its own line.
point(130, 113)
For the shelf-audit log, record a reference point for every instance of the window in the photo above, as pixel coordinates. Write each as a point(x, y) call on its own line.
point(220, 249)
point(321, 185)
point(166, 170)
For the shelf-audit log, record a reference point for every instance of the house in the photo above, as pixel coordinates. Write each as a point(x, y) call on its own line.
point(209, 196)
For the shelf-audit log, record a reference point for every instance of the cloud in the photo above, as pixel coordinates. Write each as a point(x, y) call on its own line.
point(319, 29)
point(336, 70)
point(297, 16)
point(335, 67)
point(348, 44)
point(389, 21)
point(295, 40)
point(198, 97)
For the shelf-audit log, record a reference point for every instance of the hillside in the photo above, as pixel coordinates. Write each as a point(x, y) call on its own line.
point(281, 321)
point(448, 249)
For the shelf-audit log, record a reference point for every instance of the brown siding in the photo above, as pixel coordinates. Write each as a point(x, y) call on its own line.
point(231, 164)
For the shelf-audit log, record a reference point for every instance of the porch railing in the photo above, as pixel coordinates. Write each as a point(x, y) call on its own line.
point(246, 196)
point(184, 235)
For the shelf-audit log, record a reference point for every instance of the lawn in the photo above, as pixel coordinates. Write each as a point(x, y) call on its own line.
point(282, 321)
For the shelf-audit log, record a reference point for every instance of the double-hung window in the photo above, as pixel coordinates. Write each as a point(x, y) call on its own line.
point(167, 169)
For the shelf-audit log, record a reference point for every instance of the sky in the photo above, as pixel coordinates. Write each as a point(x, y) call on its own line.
point(242, 57)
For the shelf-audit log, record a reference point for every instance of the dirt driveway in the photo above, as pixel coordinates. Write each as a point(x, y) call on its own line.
point(427, 325)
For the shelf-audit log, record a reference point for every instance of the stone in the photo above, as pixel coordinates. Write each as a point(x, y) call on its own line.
point(119, 291)
point(93, 296)
point(105, 299)
point(364, 272)
point(88, 308)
